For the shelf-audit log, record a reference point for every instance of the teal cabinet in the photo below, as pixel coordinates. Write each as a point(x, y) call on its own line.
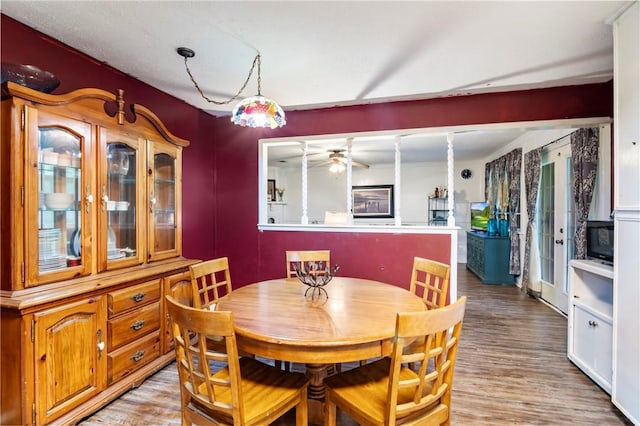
point(488, 258)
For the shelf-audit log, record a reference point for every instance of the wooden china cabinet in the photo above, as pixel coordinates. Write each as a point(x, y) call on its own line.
point(91, 243)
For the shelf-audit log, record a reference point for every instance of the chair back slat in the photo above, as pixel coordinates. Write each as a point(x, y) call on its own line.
point(430, 282)
point(210, 280)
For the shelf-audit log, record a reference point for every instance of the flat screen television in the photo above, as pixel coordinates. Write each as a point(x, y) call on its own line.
point(480, 214)
point(600, 241)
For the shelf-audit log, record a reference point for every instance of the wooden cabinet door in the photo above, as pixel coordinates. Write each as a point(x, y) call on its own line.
point(164, 192)
point(70, 356)
point(58, 202)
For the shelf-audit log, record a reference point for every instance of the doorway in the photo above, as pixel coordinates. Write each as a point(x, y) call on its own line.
point(556, 216)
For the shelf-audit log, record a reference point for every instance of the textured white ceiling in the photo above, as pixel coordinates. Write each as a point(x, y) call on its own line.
point(327, 53)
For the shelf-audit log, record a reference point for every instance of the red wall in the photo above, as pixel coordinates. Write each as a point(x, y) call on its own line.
point(382, 257)
point(221, 166)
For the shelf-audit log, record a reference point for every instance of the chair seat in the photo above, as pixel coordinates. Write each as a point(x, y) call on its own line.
point(369, 385)
point(256, 391)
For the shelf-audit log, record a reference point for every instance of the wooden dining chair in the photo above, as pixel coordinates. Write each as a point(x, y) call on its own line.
point(430, 282)
point(321, 258)
point(221, 388)
point(210, 280)
point(386, 392)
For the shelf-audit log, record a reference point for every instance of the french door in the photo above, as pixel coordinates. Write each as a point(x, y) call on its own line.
point(556, 225)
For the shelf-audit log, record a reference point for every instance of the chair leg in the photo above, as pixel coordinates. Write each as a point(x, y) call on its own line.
point(329, 412)
point(302, 410)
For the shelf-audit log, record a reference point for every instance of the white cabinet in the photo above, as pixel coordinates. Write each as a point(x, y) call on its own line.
point(592, 335)
point(626, 109)
point(591, 319)
point(626, 314)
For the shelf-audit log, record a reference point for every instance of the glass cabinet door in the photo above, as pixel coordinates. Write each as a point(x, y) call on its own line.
point(121, 191)
point(164, 196)
point(58, 198)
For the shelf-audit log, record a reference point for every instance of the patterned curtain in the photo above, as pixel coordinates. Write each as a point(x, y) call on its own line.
point(584, 153)
point(502, 190)
point(487, 184)
point(514, 166)
point(501, 183)
point(532, 160)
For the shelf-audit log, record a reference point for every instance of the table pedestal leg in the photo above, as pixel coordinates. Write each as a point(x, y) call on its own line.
point(316, 374)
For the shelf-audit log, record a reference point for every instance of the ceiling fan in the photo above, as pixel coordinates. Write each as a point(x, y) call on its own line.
point(339, 160)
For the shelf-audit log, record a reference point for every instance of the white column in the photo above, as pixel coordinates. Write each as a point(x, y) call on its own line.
point(349, 182)
point(451, 220)
point(398, 186)
point(304, 220)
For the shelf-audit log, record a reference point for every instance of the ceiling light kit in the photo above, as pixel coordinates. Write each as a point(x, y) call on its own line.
point(255, 111)
point(337, 162)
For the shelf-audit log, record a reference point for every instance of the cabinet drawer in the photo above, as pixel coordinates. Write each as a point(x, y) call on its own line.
point(129, 327)
point(129, 358)
point(127, 298)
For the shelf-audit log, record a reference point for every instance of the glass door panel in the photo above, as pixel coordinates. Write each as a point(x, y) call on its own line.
point(59, 178)
point(121, 186)
point(557, 223)
point(163, 198)
point(164, 209)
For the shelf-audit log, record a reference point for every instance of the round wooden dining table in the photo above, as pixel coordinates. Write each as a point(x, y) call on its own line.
point(355, 320)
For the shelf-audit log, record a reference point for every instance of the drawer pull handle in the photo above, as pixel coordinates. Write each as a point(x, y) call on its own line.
point(138, 297)
point(137, 356)
point(137, 325)
point(593, 323)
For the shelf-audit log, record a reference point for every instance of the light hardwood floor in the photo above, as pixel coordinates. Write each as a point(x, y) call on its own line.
point(512, 369)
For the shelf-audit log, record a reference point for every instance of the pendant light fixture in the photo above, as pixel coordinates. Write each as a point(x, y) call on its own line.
point(254, 111)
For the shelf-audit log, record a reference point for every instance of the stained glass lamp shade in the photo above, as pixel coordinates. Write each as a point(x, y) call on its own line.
point(258, 111)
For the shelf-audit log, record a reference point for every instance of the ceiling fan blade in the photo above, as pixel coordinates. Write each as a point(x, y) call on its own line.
point(322, 163)
point(353, 163)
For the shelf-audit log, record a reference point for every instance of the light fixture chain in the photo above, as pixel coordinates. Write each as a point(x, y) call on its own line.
point(213, 101)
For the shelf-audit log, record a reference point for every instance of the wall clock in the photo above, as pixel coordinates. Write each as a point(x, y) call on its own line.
point(465, 173)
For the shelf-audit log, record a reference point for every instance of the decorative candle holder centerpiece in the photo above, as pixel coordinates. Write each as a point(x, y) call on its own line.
point(314, 277)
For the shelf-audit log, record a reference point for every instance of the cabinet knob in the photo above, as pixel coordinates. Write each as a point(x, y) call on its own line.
point(88, 199)
point(100, 343)
point(561, 242)
point(593, 323)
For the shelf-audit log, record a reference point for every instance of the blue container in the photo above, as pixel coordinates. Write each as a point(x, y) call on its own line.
point(492, 227)
point(503, 227)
